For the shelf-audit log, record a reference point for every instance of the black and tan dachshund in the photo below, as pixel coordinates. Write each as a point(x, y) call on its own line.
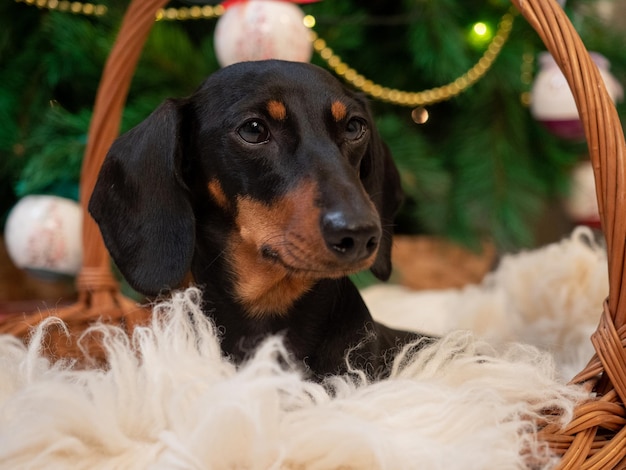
point(271, 185)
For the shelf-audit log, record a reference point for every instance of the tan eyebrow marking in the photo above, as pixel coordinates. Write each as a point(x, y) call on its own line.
point(215, 189)
point(338, 110)
point(277, 110)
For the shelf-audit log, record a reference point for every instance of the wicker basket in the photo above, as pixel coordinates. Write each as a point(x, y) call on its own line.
point(596, 437)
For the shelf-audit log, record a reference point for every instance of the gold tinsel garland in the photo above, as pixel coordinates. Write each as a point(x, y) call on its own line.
point(422, 98)
point(398, 97)
point(78, 8)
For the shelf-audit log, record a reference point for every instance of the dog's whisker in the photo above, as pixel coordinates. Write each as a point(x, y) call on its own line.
point(271, 239)
point(217, 258)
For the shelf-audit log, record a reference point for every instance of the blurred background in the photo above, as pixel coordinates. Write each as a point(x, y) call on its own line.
point(491, 153)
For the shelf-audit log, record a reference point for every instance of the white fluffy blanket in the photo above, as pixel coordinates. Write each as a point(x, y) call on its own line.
point(549, 297)
point(169, 400)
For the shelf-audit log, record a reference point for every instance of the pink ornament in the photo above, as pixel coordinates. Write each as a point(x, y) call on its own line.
point(552, 102)
point(262, 29)
point(43, 235)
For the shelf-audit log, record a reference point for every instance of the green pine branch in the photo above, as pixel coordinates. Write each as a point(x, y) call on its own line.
point(480, 167)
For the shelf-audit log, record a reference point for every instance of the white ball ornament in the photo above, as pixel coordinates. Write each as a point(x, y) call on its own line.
point(581, 205)
point(43, 235)
point(262, 29)
point(552, 102)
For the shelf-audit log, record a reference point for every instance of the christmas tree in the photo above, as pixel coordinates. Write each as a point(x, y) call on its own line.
point(480, 166)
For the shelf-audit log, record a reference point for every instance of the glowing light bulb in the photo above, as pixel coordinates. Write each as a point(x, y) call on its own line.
point(480, 28)
point(309, 21)
point(480, 34)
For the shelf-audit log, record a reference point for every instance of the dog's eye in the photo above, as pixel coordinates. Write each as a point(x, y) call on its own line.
point(355, 129)
point(254, 132)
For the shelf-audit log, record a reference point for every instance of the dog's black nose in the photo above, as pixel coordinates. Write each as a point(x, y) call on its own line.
point(350, 240)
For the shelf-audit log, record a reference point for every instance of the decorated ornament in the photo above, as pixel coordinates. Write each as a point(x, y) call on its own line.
point(262, 29)
point(552, 102)
point(581, 204)
point(43, 235)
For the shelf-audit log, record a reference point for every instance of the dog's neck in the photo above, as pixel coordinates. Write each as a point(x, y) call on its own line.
point(316, 326)
point(261, 284)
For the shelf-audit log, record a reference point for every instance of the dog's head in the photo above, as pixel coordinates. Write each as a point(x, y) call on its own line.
point(286, 155)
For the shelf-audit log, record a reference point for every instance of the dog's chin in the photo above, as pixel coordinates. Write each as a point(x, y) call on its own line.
point(315, 266)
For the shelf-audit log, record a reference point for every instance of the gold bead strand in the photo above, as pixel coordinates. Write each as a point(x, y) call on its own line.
point(164, 14)
point(422, 98)
point(77, 8)
point(189, 13)
point(526, 76)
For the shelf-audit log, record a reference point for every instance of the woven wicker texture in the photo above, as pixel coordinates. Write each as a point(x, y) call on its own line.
point(99, 293)
point(596, 437)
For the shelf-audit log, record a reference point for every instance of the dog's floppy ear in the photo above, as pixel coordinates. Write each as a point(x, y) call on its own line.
point(382, 182)
point(141, 203)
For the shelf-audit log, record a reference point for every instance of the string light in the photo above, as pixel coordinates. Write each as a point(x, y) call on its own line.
point(480, 34)
point(391, 95)
point(309, 21)
point(480, 28)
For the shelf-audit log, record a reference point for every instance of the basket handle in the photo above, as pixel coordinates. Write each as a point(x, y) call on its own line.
point(603, 130)
point(104, 128)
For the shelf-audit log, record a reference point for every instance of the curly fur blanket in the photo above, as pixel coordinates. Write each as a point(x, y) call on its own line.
point(550, 297)
point(169, 400)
